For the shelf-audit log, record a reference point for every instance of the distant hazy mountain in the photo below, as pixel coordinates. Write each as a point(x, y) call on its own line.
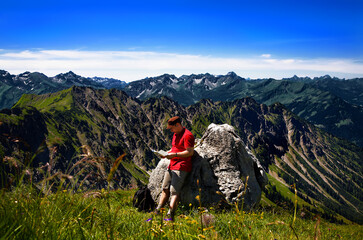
point(350, 90)
point(13, 86)
point(80, 125)
point(332, 104)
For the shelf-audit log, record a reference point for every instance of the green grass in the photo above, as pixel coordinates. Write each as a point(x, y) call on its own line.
point(26, 214)
point(136, 172)
point(59, 101)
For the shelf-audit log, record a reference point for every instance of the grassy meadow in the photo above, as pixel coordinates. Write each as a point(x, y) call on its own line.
point(53, 208)
point(26, 213)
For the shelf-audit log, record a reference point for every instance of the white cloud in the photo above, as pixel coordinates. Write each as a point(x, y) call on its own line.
point(134, 65)
point(266, 55)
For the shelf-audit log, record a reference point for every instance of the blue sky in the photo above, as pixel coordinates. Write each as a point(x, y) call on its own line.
point(130, 40)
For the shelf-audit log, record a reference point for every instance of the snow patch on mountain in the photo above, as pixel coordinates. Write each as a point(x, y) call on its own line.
point(198, 81)
point(138, 96)
point(57, 80)
point(210, 84)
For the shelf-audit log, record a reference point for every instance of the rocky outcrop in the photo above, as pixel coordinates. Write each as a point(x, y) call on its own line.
point(221, 163)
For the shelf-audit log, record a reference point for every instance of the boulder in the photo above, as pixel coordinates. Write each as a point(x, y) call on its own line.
point(221, 165)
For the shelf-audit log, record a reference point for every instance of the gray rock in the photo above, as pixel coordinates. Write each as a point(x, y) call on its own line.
point(222, 164)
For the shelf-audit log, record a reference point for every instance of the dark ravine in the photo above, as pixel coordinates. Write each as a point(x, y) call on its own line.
point(90, 124)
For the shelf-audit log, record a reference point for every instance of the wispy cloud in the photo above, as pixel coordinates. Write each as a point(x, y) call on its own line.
point(134, 65)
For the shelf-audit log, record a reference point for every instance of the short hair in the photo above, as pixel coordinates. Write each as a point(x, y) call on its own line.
point(174, 120)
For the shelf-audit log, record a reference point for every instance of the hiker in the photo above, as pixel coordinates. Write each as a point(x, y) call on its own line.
point(180, 165)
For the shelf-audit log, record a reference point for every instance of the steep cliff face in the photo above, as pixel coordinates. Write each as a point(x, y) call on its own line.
point(83, 125)
point(23, 131)
point(121, 122)
point(160, 110)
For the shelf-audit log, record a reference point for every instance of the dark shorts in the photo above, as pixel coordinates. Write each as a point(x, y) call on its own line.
point(174, 180)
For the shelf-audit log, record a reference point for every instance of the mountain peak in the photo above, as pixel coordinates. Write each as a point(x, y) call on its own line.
point(70, 73)
point(166, 77)
point(4, 73)
point(24, 73)
point(232, 74)
point(327, 76)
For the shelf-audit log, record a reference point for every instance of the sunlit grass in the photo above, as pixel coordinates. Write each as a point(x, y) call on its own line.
point(56, 209)
point(26, 214)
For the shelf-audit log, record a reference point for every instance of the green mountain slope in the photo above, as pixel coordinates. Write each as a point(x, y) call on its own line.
point(107, 123)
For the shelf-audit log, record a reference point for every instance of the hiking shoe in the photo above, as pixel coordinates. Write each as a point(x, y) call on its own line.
point(157, 212)
point(169, 217)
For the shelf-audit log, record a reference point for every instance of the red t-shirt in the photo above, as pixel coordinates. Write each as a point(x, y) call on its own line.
point(180, 143)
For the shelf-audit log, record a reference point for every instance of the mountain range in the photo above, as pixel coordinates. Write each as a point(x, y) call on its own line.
point(12, 87)
point(56, 134)
point(333, 104)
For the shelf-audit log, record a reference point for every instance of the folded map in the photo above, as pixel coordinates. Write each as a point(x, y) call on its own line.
point(162, 153)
